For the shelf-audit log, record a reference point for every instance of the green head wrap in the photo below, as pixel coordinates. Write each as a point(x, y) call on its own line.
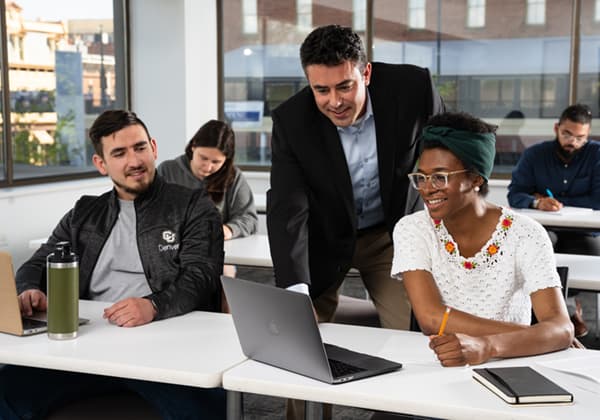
point(475, 150)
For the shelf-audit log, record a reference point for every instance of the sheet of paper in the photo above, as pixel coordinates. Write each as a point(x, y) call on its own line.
point(586, 366)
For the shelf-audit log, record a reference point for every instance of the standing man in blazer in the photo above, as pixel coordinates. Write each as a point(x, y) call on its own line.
point(341, 150)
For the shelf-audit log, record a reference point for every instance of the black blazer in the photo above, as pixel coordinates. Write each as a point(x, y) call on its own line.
point(311, 217)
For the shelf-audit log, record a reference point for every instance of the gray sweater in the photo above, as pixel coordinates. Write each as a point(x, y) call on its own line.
point(237, 207)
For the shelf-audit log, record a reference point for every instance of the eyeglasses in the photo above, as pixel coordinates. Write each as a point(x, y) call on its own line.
point(566, 136)
point(438, 179)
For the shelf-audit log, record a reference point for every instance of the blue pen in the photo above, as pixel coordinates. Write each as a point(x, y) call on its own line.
point(549, 193)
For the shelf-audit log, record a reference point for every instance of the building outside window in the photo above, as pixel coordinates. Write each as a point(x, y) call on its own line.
point(536, 12)
point(62, 73)
point(476, 13)
point(510, 74)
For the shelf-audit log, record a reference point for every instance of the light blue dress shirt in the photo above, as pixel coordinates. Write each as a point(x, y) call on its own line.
point(360, 147)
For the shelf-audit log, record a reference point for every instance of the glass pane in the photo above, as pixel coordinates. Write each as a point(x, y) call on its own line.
point(588, 82)
point(511, 74)
point(61, 76)
point(262, 69)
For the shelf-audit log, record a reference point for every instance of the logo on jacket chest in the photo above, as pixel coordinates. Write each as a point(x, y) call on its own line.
point(170, 238)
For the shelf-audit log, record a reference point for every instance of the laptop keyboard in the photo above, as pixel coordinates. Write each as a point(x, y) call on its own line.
point(340, 369)
point(29, 323)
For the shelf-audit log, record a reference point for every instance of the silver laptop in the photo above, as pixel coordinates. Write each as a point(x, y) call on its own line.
point(278, 327)
point(11, 320)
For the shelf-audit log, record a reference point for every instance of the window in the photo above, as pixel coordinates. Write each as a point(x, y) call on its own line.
point(262, 70)
point(523, 95)
point(304, 13)
point(359, 15)
point(416, 14)
point(536, 12)
point(476, 13)
point(64, 68)
point(250, 17)
point(597, 11)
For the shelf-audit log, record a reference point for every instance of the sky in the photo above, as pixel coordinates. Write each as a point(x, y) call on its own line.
point(66, 9)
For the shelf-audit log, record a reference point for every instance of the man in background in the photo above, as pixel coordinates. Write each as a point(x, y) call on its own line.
point(563, 172)
point(152, 267)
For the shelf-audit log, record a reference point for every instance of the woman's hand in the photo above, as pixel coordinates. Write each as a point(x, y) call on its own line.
point(227, 233)
point(460, 349)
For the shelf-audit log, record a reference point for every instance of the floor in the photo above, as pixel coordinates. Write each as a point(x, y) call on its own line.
point(271, 408)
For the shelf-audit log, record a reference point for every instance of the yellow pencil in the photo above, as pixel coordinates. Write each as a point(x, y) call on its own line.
point(444, 321)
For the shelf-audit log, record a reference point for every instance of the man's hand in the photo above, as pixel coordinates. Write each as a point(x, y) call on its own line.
point(460, 349)
point(32, 300)
point(130, 312)
point(546, 203)
point(549, 204)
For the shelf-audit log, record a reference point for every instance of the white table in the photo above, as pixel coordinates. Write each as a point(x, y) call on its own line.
point(575, 218)
point(193, 349)
point(251, 251)
point(584, 270)
point(421, 387)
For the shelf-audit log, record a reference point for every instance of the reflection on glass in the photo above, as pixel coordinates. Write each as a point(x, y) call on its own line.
point(511, 74)
point(61, 76)
point(262, 68)
point(506, 62)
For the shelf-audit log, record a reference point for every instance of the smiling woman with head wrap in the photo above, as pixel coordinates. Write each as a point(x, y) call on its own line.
point(490, 265)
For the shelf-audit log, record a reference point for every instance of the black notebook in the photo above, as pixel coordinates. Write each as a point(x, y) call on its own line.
point(522, 385)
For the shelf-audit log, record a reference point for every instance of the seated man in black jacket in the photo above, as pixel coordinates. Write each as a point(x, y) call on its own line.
point(151, 266)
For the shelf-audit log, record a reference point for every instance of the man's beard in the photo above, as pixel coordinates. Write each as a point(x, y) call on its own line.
point(135, 191)
point(566, 155)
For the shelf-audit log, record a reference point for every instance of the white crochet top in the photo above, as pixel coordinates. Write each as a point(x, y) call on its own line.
point(495, 283)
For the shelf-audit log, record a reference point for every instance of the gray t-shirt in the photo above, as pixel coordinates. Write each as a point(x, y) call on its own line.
point(119, 273)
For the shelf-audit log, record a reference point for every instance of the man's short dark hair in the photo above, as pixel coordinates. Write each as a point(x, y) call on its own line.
point(332, 45)
point(578, 113)
point(110, 122)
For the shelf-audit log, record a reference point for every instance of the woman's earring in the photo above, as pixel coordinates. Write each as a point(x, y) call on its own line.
point(476, 188)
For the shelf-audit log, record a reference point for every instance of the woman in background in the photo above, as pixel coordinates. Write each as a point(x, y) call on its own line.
point(208, 163)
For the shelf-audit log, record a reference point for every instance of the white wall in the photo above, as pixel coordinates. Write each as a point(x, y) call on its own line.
point(173, 51)
point(173, 56)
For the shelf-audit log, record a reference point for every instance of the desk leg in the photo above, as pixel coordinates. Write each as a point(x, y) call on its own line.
point(313, 410)
point(235, 405)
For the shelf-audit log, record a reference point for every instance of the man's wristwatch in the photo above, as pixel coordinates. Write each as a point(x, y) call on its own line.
point(535, 203)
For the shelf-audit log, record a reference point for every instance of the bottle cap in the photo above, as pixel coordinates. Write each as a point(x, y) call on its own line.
point(62, 253)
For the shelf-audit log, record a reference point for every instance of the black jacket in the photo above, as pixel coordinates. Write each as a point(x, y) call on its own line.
point(311, 217)
point(179, 237)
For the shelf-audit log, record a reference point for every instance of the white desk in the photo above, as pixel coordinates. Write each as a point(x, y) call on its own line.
point(250, 251)
point(193, 349)
point(421, 387)
point(584, 270)
point(568, 217)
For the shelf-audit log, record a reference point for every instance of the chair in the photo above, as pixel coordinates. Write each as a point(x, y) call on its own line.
point(117, 406)
point(563, 273)
point(356, 311)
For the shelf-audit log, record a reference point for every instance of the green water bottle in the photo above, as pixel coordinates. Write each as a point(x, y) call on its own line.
point(63, 292)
